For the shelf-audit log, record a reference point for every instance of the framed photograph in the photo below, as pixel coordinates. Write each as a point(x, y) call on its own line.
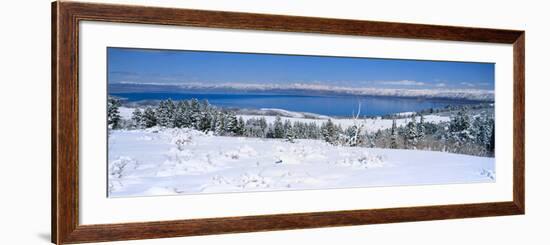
point(176, 122)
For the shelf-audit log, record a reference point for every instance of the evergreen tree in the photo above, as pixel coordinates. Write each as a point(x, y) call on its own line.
point(480, 131)
point(181, 119)
point(278, 128)
point(195, 113)
point(270, 132)
point(165, 113)
point(232, 124)
point(252, 128)
point(421, 128)
point(214, 121)
point(220, 123)
point(411, 134)
point(289, 134)
point(137, 119)
point(338, 135)
point(205, 120)
point(287, 128)
point(149, 118)
point(393, 137)
point(300, 130)
point(458, 128)
point(263, 126)
point(240, 126)
point(329, 132)
point(113, 115)
point(314, 132)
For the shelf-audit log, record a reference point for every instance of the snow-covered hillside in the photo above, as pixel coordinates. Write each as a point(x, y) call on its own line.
point(159, 161)
point(368, 124)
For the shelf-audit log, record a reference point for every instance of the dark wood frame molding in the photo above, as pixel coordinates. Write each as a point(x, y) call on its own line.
point(65, 136)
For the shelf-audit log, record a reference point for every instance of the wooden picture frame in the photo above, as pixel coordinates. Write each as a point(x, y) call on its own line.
point(65, 121)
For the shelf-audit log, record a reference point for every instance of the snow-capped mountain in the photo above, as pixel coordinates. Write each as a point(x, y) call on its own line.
point(440, 93)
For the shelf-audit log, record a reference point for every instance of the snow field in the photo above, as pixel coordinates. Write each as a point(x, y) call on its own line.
point(161, 161)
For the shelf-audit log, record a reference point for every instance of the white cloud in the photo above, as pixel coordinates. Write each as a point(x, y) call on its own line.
point(440, 85)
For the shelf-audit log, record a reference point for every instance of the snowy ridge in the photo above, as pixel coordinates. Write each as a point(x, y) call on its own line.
point(440, 93)
point(293, 114)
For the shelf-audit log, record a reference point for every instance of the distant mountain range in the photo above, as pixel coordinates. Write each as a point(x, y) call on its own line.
point(302, 88)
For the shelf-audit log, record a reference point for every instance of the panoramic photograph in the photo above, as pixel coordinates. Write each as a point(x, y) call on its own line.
point(192, 122)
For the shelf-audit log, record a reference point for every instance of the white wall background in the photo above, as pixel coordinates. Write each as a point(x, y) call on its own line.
point(25, 121)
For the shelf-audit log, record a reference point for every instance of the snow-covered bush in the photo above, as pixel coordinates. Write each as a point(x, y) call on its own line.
point(363, 161)
point(181, 138)
point(117, 168)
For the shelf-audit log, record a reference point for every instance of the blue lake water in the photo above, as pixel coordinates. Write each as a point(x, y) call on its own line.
point(331, 105)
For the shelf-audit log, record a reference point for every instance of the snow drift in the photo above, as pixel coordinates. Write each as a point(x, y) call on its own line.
point(159, 161)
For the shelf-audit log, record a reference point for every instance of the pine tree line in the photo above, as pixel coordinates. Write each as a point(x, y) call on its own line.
point(465, 135)
point(195, 114)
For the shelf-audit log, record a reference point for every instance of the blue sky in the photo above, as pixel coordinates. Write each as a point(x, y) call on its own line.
point(170, 67)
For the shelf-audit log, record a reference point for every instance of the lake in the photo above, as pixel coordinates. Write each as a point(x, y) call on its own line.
point(330, 105)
